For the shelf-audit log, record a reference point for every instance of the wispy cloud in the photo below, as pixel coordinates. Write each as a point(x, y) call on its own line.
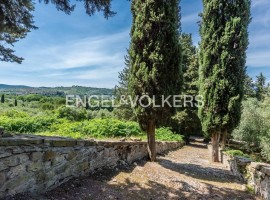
point(92, 58)
point(258, 58)
point(190, 18)
point(259, 3)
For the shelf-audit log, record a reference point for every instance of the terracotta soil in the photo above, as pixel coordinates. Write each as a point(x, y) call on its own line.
point(186, 173)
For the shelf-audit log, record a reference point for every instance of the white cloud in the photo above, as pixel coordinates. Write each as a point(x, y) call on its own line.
point(259, 3)
point(258, 58)
point(92, 51)
point(190, 18)
point(100, 57)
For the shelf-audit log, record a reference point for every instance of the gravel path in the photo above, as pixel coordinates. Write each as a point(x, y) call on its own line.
point(186, 173)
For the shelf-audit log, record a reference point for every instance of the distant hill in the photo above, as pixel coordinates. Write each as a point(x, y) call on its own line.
point(4, 86)
point(54, 91)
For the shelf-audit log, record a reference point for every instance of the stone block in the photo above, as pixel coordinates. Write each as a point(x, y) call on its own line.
point(12, 161)
point(16, 171)
point(60, 143)
point(49, 155)
point(3, 178)
point(266, 170)
point(35, 166)
point(36, 156)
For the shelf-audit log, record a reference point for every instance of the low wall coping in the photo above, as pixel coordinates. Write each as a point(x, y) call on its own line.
point(27, 140)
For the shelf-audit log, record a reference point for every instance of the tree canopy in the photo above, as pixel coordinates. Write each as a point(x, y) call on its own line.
point(155, 60)
point(224, 32)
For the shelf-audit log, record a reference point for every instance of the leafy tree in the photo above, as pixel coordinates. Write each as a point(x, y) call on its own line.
point(249, 91)
point(224, 32)
point(260, 87)
point(186, 120)
point(155, 67)
point(254, 126)
point(16, 20)
point(3, 98)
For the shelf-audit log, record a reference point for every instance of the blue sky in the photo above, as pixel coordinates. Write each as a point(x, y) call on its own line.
point(80, 50)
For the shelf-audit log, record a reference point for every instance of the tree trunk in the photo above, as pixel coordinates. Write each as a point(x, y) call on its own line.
point(224, 136)
point(151, 141)
point(215, 147)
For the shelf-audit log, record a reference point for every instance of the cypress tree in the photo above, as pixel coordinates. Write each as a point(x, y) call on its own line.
point(15, 102)
point(155, 67)
point(3, 98)
point(186, 120)
point(260, 87)
point(224, 33)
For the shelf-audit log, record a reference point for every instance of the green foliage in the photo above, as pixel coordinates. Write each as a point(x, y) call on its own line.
point(73, 114)
point(265, 146)
point(2, 98)
point(166, 134)
point(26, 124)
point(102, 114)
point(224, 33)
point(47, 106)
point(260, 87)
point(15, 114)
point(237, 153)
point(154, 56)
point(186, 120)
point(16, 20)
point(254, 126)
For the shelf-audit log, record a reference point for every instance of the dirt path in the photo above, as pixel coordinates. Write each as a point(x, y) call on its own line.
point(186, 173)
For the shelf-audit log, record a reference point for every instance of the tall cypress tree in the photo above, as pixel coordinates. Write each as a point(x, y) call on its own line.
point(224, 33)
point(186, 120)
point(3, 98)
point(154, 60)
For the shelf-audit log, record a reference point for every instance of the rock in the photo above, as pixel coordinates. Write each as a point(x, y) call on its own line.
point(136, 139)
point(36, 156)
point(257, 165)
point(6, 135)
point(49, 155)
point(2, 178)
point(266, 170)
point(123, 139)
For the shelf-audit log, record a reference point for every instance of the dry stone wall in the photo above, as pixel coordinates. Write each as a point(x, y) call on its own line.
point(256, 175)
point(38, 164)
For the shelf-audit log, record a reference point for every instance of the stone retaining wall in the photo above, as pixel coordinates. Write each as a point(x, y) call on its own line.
point(37, 164)
point(256, 175)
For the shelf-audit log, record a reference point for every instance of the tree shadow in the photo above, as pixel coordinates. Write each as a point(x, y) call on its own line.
point(198, 145)
point(199, 172)
point(103, 185)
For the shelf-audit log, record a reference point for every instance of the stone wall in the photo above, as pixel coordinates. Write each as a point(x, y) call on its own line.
point(37, 164)
point(256, 175)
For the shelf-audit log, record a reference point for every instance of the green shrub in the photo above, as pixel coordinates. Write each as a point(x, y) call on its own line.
point(166, 134)
point(27, 124)
point(237, 153)
point(47, 106)
point(265, 145)
point(73, 114)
